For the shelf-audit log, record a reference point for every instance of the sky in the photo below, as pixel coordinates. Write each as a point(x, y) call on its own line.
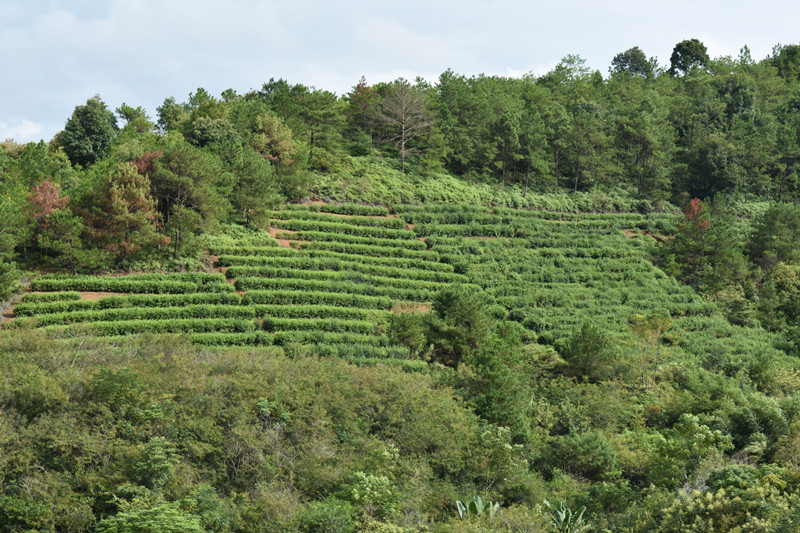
point(59, 53)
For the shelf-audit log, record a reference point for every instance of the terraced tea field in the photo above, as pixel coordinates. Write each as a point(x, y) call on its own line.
point(331, 276)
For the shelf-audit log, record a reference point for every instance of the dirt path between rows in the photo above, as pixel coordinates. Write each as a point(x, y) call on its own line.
point(217, 269)
point(406, 307)
point(390, 215)
point(283, 242)
point(89, 295)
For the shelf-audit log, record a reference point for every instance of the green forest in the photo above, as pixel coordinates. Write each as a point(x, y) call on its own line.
point(557, 303)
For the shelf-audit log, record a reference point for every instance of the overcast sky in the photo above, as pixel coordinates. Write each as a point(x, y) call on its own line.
point(57, 54)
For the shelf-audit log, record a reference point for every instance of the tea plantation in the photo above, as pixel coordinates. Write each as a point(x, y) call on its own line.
point(345, 270)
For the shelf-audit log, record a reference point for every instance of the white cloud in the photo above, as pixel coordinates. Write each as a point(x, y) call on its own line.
point(22, 132)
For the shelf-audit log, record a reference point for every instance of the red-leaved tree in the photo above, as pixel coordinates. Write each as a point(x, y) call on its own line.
point(46, 198)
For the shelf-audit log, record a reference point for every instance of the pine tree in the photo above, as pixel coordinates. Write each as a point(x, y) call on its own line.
point(125, 219)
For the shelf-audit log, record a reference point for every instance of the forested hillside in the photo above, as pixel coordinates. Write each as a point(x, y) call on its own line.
point(567, 302)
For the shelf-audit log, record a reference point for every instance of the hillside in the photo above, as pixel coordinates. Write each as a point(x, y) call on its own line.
point(564, 302)
point(519, 355)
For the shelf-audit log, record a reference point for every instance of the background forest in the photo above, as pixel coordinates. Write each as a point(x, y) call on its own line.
point(682, 417)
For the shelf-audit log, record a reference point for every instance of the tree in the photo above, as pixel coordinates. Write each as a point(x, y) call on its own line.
point(585, 454)
point(14, 231)
point(88, 133)
point(506, 133)
point(256, 190)
point(190, 188)
point(362, 102)
point(172, 116)
point(779, 297)
point(321, 113)
point(787, 166)
point(557, 123)
point(686, 56)
point(218, 135)
point(135, 118)
point(38, 161)
point(46, 198)
point(589, 353)
point(9, 276)
point(458, 117)
point(776, 236)
point(632, 62)
point(315, 116)
point(650, 331)
point(786, 59)
point(124, 218)
point(273, 140)
point(585, 143)
point(533, 133)
point(643, 138)
point(458, 324)
point(714, 164)
point(17, 224)
point(571, 70)
point(706, 252)
point(56, 231)
point(683, 449)
point(60, 235)
point(404, 116)
point(495, 383)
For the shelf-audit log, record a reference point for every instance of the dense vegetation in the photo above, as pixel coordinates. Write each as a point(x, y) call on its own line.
point(497, 320)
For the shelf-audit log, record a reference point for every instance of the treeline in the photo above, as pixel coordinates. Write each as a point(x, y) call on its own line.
point(701, 127)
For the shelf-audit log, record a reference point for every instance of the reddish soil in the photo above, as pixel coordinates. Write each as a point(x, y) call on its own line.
point(410, 308)
point(98, 295)
point(274, 231)
point(410, 227)
point(216, 269)
point(89, 295)
point(283, 242)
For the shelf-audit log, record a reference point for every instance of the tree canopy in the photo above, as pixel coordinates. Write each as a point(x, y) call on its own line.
point(89, 132)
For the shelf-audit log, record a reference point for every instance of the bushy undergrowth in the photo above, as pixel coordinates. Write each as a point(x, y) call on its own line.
point(370, 182)
point(160, 430)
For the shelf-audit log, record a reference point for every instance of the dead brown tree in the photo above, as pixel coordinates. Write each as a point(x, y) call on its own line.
point(404, 116)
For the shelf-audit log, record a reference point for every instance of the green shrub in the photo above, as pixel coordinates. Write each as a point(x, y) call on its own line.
point(32, 297)
point(330, 515)
point(585, 455)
